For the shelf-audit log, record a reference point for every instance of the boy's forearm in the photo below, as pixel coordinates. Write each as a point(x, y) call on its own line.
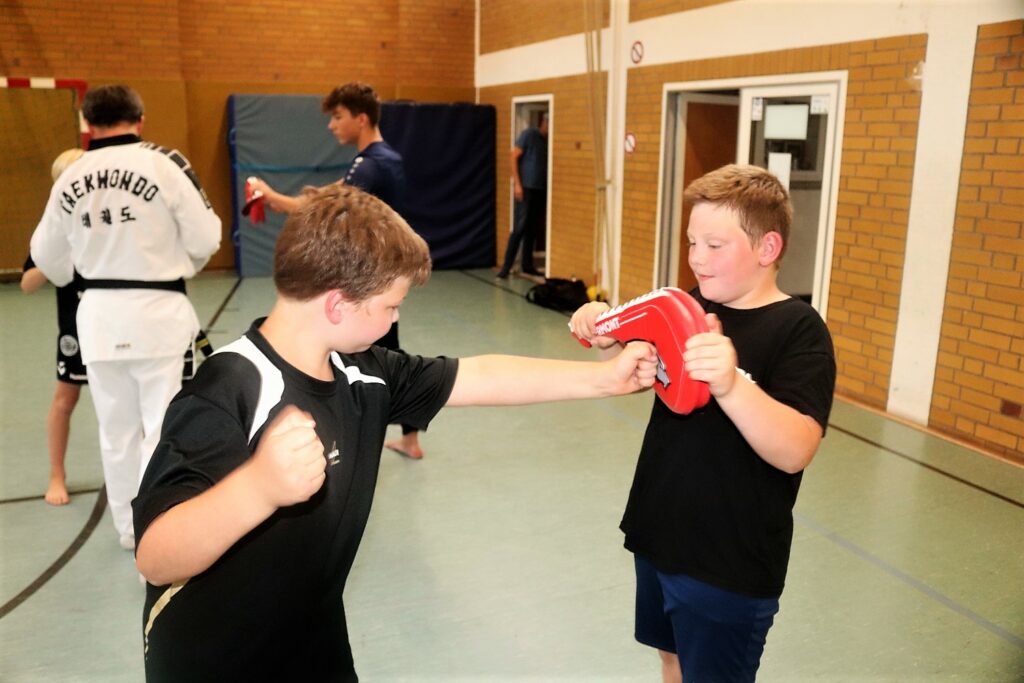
point(781, 435)
point(515, 380)
point(187, 539)
point(282, 202)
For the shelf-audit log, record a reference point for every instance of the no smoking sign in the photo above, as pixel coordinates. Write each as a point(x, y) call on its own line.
point(636, 52)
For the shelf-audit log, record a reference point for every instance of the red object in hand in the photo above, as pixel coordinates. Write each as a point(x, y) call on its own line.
point(253, 202)
point(666, 318)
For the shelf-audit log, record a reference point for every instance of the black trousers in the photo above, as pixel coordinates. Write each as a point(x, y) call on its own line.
point(528, 218)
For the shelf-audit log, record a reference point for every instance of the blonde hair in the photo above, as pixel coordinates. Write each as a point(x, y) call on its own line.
point(63, 160)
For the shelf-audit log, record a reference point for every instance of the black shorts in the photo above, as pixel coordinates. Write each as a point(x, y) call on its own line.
point(70, 368)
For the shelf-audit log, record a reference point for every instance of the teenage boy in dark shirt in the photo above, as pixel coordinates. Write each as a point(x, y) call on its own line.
point(377, 168)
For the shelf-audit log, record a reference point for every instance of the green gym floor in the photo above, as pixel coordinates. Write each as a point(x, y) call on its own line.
point(498, 556)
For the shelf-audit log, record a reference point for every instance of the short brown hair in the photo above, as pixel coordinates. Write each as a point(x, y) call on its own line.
point(358, 98)
point(343, 238)
point(108, 105)
point(755, 194)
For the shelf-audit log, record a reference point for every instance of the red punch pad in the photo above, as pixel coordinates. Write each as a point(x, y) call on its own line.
point(666, 318)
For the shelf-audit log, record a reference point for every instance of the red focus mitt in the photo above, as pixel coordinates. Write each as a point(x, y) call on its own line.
point(666, 318)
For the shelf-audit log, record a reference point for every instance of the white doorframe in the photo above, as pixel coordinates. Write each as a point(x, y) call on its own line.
point(518, 124)
point(823, 261)
point(670, 209)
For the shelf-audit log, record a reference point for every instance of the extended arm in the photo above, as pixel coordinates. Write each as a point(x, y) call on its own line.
point(514, 380)
point(275, 200)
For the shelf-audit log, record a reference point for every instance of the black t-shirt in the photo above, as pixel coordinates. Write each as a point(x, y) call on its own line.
point(271, 607)
point(378, 170)
point(703, 503)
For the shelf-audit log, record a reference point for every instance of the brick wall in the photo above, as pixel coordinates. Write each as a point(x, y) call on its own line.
point(571, 248)
point(37, 125)
point(874, 189)
point(437, 49)
point(648, 9)
point(288, 40)
point(510, 23)
point(186, 56)
point(979, 381)
point(72, 38)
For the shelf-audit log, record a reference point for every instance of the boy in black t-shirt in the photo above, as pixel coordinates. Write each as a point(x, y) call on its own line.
point(255, 501)
point(709, 517)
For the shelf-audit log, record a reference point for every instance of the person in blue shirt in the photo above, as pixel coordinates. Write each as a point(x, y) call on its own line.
point(377, 169)
point(530, 173)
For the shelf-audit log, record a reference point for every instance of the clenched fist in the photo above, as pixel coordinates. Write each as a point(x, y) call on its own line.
point(289, 460)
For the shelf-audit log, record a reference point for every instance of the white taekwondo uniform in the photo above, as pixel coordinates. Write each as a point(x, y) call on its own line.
point(132, 219)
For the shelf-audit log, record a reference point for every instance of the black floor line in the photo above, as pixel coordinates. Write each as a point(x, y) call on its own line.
point(51, 571)
point(94, 518)
point(925, 465)
point(223, 304)
point(25, 499)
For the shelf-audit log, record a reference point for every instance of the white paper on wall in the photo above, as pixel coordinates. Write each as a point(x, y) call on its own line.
point(779, 164)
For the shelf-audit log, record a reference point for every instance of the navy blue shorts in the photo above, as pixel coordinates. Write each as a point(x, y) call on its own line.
point(718, 635)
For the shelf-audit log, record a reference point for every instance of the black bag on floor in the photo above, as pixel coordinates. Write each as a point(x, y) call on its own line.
point(558, 294)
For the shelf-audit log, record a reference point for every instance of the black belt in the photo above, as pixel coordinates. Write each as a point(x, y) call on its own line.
point(166, 285)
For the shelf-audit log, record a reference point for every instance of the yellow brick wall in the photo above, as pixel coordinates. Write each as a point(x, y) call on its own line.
point(979, 380)
point(874, 189)
point(648, 9)
point(77, 37)
point(570, 251)
point(510, 23)
point(186, 56)
point(436, 50)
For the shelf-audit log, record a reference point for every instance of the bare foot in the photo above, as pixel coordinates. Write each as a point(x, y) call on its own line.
point(57, 493)
point(399, 446)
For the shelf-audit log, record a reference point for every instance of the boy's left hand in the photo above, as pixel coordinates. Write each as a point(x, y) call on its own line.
point(710, 357)
point(635, 368)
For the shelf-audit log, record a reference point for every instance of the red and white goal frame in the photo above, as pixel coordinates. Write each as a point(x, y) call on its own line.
point(78, 86)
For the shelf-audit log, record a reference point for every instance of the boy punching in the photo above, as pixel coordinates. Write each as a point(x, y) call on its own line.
point(710, 514)
point(253, 507)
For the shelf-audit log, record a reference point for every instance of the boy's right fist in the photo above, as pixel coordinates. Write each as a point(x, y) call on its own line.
point(289, 462)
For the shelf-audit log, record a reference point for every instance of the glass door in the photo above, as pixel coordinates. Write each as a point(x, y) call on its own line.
point(791, 131)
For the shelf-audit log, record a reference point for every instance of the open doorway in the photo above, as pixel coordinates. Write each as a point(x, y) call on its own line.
point(701, 128)
point(788, 124)
point(533, 111)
